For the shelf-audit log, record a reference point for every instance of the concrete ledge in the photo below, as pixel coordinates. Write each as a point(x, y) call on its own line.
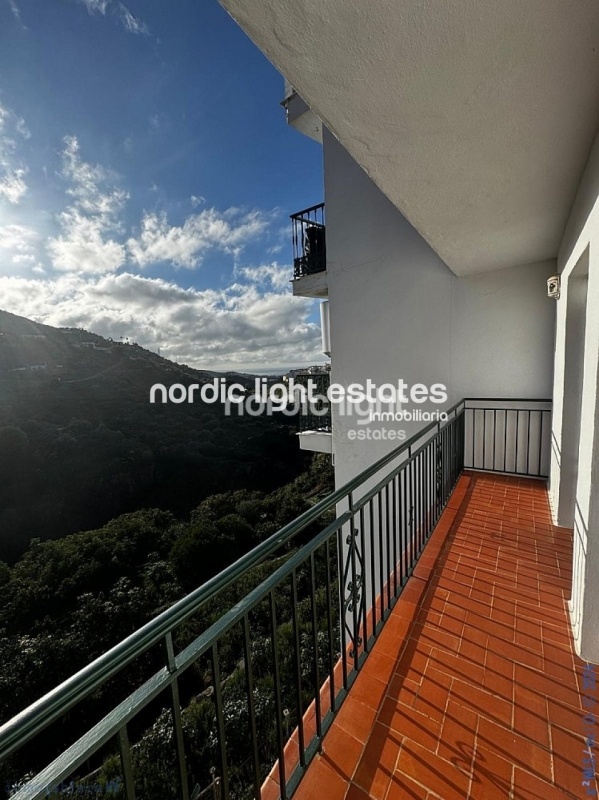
point(316, 285)
point(316, 441)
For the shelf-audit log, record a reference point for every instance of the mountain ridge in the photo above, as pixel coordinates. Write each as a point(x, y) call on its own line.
point(80, 442)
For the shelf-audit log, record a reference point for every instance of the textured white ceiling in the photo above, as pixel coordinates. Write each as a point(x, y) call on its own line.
point(475, 117)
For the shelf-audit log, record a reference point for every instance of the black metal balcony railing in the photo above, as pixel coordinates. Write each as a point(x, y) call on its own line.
point(309, 241)
point(293, 642)
point(318, 416)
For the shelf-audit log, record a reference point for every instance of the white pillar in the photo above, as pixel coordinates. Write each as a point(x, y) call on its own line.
point(584, 604)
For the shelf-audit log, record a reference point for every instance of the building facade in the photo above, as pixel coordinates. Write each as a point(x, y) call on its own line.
point(459, 175)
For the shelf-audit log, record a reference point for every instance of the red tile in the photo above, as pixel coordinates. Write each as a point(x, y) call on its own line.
point(320, 775)
point(433, 694)
point(515, 748)
point(404, 788)
point(342, 751)
point(471, 689)
point(569, 757)
point(491, 776)
point(436, 637)
point(377, 764)
point(530, 716)
point(456, 743)
point(355, 793)
point(411, 724)
point(544, 684)
point(413, 591)
point(380, 666)
point(558, 661)
point(499, 676)
point(473, 652)
point(565, 716)
point(481, 702)
point(414, 657)
point(431, 772)
point(270, 790)
point(368, 689)
point(529, 787)
point(356, 719)
point(515, 653)
point(456, 667)
point(528, 634)
point(561, 635)
point(397, 627)
point(403, 690)
point(390, 641)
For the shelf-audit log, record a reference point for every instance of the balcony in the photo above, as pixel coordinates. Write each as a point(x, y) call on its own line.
point(472, 690)
point(309, 252)
point(406, 637)
point(300, 116)
point(315, 427)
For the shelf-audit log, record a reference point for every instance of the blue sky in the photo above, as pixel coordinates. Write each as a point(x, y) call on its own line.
point(146, 180)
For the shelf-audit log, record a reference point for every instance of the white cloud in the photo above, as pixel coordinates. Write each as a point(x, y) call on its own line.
point(22, 128)
point(18, 238)
point(242, 327)
point(186, 245)
point(19, 247)
point(87, 181)
point(254, 323)
point(24, 258)
point(275, 274)
point(131, 23)
point(12, 185)
point(92, 236)
point(96, 6)
point(88, 225)
point(12, 171)
point(82, 247)
point(16, 11)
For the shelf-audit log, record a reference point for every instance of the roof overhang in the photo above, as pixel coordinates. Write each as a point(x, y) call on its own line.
point(475, 118)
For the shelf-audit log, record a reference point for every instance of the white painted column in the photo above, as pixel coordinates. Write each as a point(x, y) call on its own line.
point(584, 605)
point(575, 458)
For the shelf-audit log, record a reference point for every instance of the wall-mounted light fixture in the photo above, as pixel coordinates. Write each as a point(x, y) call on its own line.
point(553, 287)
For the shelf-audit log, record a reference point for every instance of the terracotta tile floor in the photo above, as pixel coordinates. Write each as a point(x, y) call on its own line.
point(472, 690)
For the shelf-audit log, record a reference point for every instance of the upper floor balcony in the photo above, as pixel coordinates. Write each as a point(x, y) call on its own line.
point(300, 116)
point(405, 637)
point(315, 426)
point(309, 252)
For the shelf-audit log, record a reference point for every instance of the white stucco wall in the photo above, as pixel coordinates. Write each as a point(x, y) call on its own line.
point(574, 483)
point(397, 312)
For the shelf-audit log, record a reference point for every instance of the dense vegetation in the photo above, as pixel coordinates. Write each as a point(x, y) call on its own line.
point(66, 601)
point(80, 443)
point(111, 509)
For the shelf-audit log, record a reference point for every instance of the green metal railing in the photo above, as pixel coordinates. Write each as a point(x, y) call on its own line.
point(295, 641)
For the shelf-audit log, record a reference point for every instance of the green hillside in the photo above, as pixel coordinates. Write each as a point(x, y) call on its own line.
point(80, 442)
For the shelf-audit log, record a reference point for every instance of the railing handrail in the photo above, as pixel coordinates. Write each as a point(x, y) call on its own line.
point(299, 214)
point(36, 717)
point(507, 400)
